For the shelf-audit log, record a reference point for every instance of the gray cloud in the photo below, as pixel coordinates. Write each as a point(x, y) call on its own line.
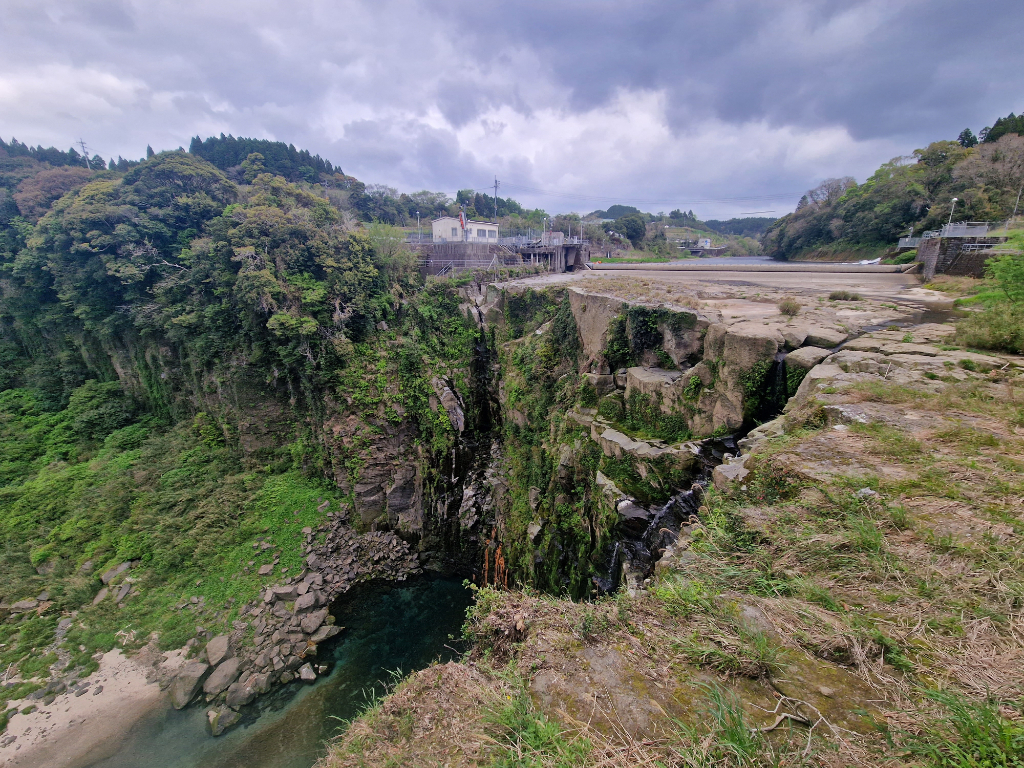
point(647, 101)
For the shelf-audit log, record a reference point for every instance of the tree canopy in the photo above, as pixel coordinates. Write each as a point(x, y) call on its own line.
point(171, 252)
point(904, 195)
point(1004, 125)
point(278, 158)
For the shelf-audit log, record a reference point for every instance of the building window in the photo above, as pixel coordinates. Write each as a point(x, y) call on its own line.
point(492, 233)
point(481, 233)
point(455, 231)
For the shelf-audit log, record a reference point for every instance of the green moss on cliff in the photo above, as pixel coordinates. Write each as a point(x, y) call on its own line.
point(640, 329)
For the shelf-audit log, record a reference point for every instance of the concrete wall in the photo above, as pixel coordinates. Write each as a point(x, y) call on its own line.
point(938, 255)
point(970, 263)
point(447, 229)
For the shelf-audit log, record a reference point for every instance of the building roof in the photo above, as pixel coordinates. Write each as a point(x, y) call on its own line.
point(468, 221)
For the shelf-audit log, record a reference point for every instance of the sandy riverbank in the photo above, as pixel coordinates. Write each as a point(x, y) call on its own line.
point(73, 730)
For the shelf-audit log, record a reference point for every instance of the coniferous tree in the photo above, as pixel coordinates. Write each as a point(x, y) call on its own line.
point(967, 138)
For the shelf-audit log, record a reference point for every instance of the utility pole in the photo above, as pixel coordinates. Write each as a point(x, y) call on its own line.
point(496, 182)
point(419, 237)
point(85, 151)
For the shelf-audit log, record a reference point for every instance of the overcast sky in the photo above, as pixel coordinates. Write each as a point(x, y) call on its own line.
point(723, 107)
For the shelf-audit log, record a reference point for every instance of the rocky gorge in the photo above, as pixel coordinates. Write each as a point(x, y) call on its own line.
point(717, 381)
point(579, 420)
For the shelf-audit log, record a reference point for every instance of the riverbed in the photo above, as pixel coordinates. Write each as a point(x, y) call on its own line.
point(390, 631)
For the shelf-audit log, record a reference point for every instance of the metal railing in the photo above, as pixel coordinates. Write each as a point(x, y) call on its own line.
point(909, 242)
point(996, 247)
point(965, 229)
point(470, 239)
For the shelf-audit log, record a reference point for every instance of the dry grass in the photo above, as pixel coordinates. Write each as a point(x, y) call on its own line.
point(956, 286)
point(435, 717)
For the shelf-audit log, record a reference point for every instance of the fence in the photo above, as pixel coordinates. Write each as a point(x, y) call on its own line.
point(962, 229)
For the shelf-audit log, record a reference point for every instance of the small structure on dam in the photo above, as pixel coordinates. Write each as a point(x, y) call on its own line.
point(959, 248)
point(553, 250)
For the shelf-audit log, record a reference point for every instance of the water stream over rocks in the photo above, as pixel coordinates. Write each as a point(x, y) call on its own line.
point(643, 533)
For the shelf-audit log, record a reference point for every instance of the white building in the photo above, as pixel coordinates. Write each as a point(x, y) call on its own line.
point(448, 229)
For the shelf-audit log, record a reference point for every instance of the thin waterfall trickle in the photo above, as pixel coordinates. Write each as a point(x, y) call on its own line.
point(636, 549)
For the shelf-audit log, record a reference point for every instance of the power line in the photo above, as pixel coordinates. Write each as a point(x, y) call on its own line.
point(624, 198)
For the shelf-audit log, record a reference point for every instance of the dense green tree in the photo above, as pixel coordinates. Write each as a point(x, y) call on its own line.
point(1010, 124)
point(49, 155)
point(632, 226)
point(906, 194)
point(228, 152)
point(751, 226)
point(167, 254)
point(967, 138)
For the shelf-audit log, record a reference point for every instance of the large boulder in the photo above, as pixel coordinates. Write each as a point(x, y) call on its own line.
point(324, 633)
point(242, 692)
point(806, 357)
point(186, 683)
point(286, 592)
point(307, 601)
point(823, 336)
point(218, 649)
point(823, 372)
point(604, 383)
point(653, 382)
point(452, 405)
point(733, 472)
point(114, 572)
point(741, 346)
point(311, 622)
point(222, 677)
point(221, 718)
point(799, 362)
point(683, 335)
point(739, 357)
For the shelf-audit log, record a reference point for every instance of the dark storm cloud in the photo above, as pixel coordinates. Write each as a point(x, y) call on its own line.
point(651, 100)
point(876, 67)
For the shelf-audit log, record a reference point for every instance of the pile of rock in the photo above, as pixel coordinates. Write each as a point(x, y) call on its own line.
point(290, 621)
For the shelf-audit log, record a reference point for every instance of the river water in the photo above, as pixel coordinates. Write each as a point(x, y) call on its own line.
point(389, 630)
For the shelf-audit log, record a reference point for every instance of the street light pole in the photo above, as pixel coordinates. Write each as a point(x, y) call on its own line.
point(953, 208)
point(419, 237)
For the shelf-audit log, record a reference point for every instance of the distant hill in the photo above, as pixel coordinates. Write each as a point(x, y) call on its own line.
point(278, 158)
point(752, 226)
point(615, 212)
point(51, 155)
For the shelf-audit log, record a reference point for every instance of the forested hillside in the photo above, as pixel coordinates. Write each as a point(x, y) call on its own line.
point(906, 194)
point(187, 363)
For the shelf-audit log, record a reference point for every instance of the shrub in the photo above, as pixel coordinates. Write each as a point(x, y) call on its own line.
point(844, 296)
point(1008, 272)
point(789, 307)
point(999, 326)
